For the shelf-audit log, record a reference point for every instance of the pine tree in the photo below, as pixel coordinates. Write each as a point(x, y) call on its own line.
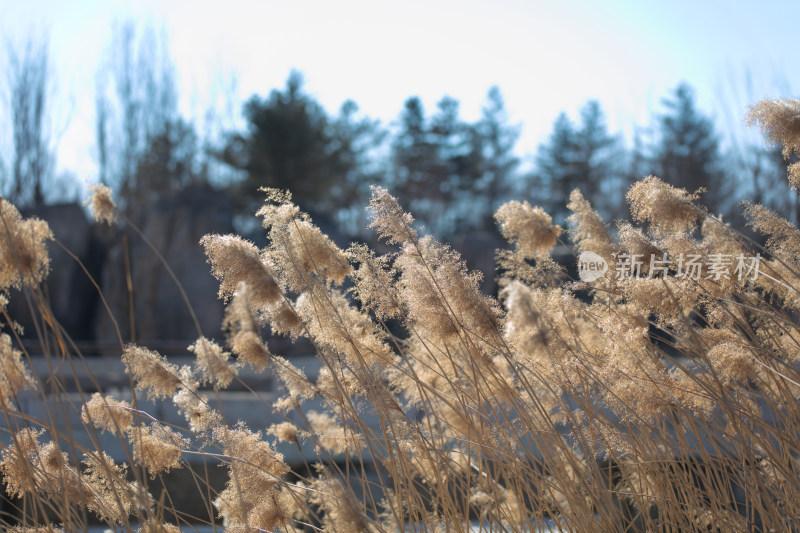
point(285, 146)
point(687, 153)
point(494, 140)
point(598, 161)
point(555, 174)
point(434, 165)
point(354, 144)
point(585, 157)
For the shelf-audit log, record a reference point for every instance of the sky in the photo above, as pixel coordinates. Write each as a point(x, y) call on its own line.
point(545, 56)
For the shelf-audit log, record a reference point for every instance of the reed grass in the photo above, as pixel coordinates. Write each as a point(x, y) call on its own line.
point(661, 396)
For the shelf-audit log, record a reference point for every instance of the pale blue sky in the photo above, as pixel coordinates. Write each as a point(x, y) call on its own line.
point(545, 56)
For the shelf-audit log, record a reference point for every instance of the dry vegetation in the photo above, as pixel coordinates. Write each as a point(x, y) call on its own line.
point(663, 400)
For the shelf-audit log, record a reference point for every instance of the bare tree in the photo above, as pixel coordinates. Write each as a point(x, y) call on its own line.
point(136, 109)
point(33, 157)
point(758, 168)
point(101, 130)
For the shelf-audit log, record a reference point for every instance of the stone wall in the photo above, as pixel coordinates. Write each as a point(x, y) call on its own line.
point(143, 295)
point(144, 299)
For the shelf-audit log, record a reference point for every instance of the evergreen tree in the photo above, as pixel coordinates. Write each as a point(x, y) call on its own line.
point(555, 175)
point(412, 154)
point(285, 147)
point(169, 161)
point(585, 157)
point(598, 162)
point(639, 164)
point(293, 144)
point(434, 165)
point(354, 143)
point(687, 153)
point(452, 173)
point(494, 140)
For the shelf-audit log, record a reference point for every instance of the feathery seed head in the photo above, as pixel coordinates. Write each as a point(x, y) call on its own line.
point(154, 526)
point(588, 230)
point(109, 494)
point(151, 371)
point(107, 413)
point(102, 205)
point(214, 364)
point(332, 436)
point(18, 465)
point(341, 511)
point(255, 464)
point(14, 374)
point(195, 408)
point(284, 431)
point(665, 208)
point(278, 209)
point(388, 218)
point(783, 237)
point(23, 250)
point(374, 282)
point(235, 260)
point(318, 254)
point(779, 120)
point(529, 228)
point(283, 320)
point(244, 335)
point(157, 448)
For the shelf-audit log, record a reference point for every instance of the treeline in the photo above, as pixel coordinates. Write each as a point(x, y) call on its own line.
point(451, 173)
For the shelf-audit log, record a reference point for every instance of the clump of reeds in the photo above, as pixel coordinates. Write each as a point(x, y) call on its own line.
point(662, 396)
